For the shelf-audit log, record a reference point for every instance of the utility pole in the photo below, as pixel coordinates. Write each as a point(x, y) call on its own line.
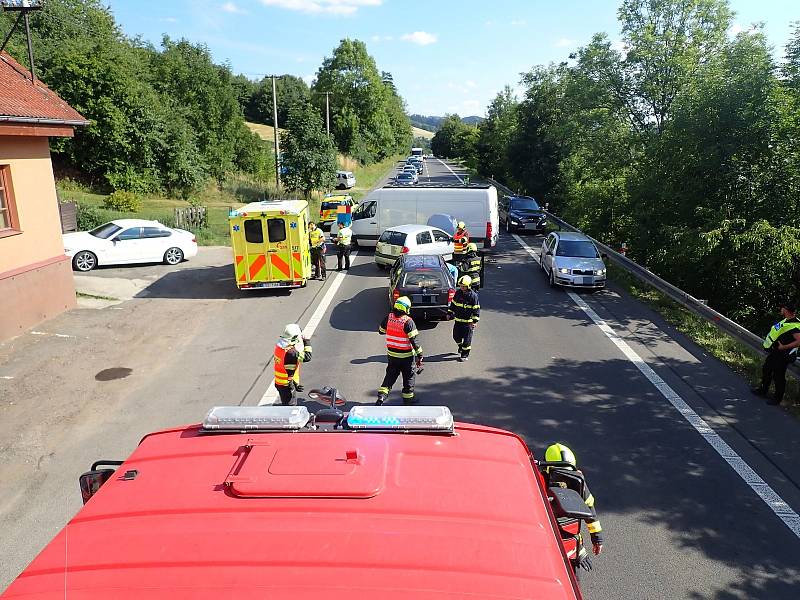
point(275, 132)
point(328, 112)
point(23, 7)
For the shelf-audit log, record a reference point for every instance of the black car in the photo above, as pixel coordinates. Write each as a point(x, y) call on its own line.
point(426, 280)
point(522, 213)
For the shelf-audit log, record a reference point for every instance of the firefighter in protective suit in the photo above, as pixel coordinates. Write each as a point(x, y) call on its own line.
point(403, 351)
point(291, 351)
point(460, 239)
point(556, 477)
point(465, 310)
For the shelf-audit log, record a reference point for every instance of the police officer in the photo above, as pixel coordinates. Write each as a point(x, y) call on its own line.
point(291, 350)
point(403, 350)
point(465, 309)
point(343, 239)
point(782, 344)
point(562, 477)
point(317, 240)
point(460, 239)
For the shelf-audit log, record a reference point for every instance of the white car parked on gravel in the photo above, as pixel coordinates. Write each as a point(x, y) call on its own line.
point(127, 241)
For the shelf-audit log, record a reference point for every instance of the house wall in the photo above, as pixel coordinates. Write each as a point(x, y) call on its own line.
point(35, 277)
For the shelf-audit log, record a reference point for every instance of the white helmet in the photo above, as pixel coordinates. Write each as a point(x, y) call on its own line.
point(292, 332)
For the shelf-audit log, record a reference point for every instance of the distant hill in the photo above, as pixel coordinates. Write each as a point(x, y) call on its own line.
point(433, 123)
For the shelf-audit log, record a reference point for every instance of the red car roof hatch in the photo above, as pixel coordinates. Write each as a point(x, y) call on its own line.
point(311, 467)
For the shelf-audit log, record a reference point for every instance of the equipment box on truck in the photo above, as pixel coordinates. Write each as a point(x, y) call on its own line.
point(270, 244)
point(391, 206)
point(388, 502)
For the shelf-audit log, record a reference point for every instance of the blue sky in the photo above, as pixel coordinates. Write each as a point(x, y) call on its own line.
point(445, 55)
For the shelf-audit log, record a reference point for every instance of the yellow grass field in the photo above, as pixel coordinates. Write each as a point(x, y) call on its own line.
point(423, 133)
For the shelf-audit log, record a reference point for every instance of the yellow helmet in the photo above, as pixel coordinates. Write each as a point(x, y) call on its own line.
point(472, 247)
point(461, 225)
point(403, 304)
point(465, 280)
point(559, 452)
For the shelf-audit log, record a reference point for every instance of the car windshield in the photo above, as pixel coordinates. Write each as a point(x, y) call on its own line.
point(396, 238)
point(424, 279)
point(405, 176)
point(105, 231)
point(330, 205)
point(576, 249)
point(524, 204)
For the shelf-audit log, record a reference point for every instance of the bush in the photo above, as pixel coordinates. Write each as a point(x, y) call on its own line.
point(89, 217)
point(123, 201)
point(129, 179)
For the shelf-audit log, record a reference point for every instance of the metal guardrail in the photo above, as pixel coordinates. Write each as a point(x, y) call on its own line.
point(692, 304)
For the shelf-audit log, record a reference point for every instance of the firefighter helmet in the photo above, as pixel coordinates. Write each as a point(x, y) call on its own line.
point(292, 332)
point(472, 247)
point(461, 225)
point(403, 304)
point(559, 452)
point(465, 281)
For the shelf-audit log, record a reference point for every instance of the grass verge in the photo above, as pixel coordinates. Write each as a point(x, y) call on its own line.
point(738, 356)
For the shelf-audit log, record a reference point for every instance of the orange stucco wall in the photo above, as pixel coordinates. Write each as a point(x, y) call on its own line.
point(37, 208)
point(35, 277)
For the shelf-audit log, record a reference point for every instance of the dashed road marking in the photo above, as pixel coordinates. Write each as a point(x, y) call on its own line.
point(771, 498)
point(271, 395)
point(58, 335)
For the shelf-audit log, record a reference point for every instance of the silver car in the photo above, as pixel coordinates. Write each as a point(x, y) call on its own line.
point(571, 259)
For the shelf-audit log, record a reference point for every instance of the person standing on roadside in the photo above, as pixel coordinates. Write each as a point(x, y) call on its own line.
point(316, 238)
point(343, 239)
point(465, 309)
point(782, 343)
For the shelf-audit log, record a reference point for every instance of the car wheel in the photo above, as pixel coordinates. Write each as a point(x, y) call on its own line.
point(382, 267)
point(552, 278)
point(173, 256)
point(84, 261)
point(354, 241)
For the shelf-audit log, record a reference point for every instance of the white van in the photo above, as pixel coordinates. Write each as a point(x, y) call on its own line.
point(390, 206)
point(418, 152)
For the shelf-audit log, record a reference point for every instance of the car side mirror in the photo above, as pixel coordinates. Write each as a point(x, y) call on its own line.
point(91, 481)
point(568, 503)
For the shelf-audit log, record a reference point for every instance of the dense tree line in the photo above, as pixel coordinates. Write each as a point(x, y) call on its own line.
point(682, 142)
point(161, 118)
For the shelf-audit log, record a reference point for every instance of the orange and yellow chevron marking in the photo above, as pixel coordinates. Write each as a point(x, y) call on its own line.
point(239, 259)
point(257, 264)
point(280, 264)
point(297, 265)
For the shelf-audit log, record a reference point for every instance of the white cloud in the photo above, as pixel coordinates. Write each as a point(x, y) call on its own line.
point(230, 7)
point(519, 23)
point(565, 43)
point(309, 79)
point(336, 7)
point(422, 38)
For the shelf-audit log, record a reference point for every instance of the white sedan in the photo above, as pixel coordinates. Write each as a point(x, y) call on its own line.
point(127, 241)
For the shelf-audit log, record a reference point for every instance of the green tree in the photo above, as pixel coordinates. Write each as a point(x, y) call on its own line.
point(367, 116)
point(494, 136)
point(309, 156)
point(291, 90)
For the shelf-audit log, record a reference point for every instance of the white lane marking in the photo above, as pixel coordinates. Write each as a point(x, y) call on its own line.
point(451, 170)
point(271, 395)
point(6, 377)
point(771, 498)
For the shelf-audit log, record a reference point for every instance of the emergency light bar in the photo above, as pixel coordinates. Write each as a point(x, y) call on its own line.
point(412, 418)
point(258, 418)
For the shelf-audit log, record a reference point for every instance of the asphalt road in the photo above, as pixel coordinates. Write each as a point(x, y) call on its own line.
point(678, 521)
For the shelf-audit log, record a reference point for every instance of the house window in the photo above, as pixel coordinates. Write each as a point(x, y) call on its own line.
point(8, 212)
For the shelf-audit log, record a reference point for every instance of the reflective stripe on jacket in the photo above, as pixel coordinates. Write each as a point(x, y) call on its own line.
point(396, 337)
point(777, 330)
point(281, 375)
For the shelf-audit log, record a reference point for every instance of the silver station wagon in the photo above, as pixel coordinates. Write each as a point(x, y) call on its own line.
point(571, 259)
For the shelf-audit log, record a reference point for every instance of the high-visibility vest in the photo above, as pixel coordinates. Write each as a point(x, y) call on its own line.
point(282, 376)
point(344, 235)
point(460, 241)
point(778, 330)
point(317, 238)
point(396, 337)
